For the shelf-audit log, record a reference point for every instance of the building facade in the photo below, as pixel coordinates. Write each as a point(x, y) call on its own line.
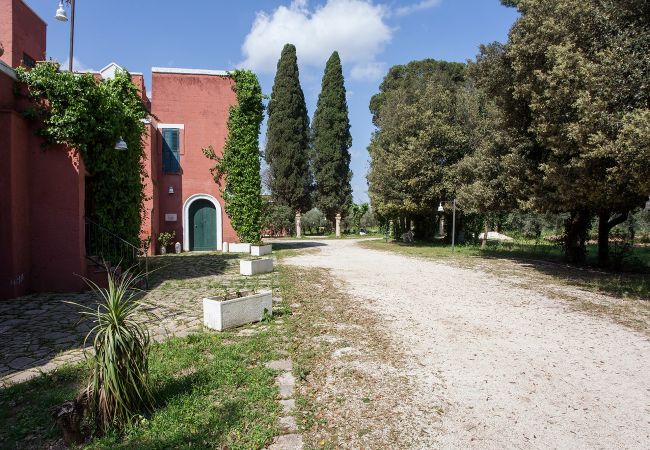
point(43, 207)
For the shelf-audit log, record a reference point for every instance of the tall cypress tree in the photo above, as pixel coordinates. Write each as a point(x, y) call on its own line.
point(332, 141)
point(287, 136)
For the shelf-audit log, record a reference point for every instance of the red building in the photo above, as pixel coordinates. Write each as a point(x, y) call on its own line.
point(42, 192)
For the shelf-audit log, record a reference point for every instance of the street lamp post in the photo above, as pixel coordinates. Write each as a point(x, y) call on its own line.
point(63, 17)
point(453, 220)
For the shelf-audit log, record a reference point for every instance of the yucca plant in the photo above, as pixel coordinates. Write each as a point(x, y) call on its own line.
point(118, 388)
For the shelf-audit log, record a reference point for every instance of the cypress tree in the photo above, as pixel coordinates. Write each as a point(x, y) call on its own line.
point(287, 137)
point(331, 143)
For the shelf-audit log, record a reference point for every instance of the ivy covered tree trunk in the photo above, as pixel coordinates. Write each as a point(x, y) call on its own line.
point(576, 228)
point(239, 167)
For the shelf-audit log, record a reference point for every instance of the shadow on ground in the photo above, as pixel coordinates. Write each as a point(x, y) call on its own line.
point(296, 245)
point(36, 328)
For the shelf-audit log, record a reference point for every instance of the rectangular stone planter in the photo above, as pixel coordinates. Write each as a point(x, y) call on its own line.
point(239, 248)
point(219, 314)
point(261, 250)
point(255, 266)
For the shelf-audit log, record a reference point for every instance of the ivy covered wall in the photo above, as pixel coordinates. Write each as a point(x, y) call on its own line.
point(91, 115)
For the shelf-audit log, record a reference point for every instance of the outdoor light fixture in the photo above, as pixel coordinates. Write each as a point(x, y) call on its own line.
point(453, 220)
point(170, 190)
point(120, 144)
point(63, 17)
point(60, 13)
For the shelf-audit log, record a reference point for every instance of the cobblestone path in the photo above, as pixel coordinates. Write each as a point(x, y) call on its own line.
point(40, 332)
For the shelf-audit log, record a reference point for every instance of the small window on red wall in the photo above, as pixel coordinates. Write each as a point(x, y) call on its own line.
point(171, 157)
point(28, 61)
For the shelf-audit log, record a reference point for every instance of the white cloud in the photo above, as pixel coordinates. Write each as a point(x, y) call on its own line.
point(77, 66)
point(414, 7)
point(355, 28)
point(369, 71)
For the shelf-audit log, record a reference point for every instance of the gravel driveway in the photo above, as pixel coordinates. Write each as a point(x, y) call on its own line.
point(511, 367)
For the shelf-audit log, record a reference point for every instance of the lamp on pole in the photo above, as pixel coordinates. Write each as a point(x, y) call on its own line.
point(441, 209)
point(63, 17)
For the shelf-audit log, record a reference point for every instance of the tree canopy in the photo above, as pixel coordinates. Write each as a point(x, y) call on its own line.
point(287, 137)
point(556, 120)
point(331, 140)
point(572, 83)
point(422, 119)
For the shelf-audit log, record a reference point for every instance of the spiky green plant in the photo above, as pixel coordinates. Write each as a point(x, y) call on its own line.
point(119, 386)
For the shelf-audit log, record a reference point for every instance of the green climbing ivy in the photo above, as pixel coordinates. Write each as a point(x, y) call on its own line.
point(238, 170)
point(91, 115)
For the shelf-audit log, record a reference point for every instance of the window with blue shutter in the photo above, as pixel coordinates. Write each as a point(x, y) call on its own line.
point(171, 156)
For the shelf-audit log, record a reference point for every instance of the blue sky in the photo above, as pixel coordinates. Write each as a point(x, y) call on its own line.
point(370, 35)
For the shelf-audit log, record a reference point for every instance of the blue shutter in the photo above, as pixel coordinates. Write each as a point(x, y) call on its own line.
point(171, 151)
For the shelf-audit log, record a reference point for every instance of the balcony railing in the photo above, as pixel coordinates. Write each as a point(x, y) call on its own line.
point(105, 248)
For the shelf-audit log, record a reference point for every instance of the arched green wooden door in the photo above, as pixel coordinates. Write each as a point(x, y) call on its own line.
point(203, 225)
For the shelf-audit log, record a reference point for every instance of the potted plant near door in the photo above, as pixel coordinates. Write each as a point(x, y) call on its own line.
point(164, 239)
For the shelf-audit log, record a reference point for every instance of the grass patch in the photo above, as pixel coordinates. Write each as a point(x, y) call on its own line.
point(545, 259)
point(333, 405)
point(211, 391)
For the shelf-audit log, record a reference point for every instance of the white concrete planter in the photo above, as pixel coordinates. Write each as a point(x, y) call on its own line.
point(261, 250)
point(219, 314)
point(255, 266)
point(239, 248)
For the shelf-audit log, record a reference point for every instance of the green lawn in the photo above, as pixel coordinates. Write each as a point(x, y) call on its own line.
point(211, 390)
point(633, 281)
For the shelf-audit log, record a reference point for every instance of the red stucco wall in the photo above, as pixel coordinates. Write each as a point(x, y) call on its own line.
point(42, 234)
point(151, 162)
point(21, 30)
point(201, 104)
point(57, 219)
point(14, 197)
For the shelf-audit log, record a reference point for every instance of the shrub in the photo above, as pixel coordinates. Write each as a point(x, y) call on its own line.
point(165, 238)
point(278, 219)
point(118, 389)
point(314, 219)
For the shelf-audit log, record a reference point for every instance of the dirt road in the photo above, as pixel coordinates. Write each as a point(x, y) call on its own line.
point(508, 366)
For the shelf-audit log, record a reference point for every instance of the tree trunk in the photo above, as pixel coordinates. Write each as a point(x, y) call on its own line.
point(605, 225)
point(485, 233)
point(576, 228)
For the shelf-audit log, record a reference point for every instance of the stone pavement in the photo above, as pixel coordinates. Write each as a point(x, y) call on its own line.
point(286, 382)
point(40, 332)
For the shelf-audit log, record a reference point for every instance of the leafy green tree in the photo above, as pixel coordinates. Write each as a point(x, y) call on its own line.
point(314, 219)
point(369, 219)
point(421, 133)
point(357, 211)
point(572, 83)
point(277, 219)
point(239, 167)
point(287, 137)
point(332, 140)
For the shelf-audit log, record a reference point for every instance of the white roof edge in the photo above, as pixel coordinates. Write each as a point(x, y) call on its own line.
point(113, 63)
point(7, 70)
point(108, 66)
point(221, 73)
